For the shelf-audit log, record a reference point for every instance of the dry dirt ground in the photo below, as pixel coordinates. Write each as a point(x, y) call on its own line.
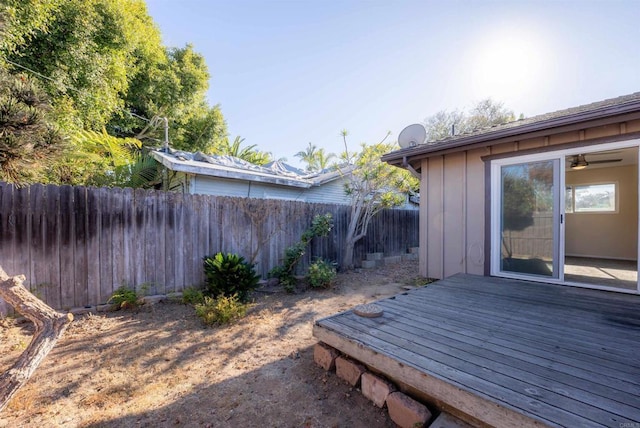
point(158, 366)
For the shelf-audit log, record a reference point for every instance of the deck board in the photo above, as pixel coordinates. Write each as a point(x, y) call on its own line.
point(506, 352)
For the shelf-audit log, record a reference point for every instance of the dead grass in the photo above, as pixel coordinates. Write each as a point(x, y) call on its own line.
point(158, 365)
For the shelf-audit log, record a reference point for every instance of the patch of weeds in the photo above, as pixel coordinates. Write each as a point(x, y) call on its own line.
point(124, 298)
point(419, 281)
point(221, 310)
point(192, 296)
point(321, 274)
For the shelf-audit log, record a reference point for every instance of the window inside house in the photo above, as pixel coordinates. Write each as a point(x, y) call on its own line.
point(590, 198)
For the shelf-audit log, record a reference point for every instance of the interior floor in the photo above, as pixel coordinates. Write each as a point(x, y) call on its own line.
point(607, 272)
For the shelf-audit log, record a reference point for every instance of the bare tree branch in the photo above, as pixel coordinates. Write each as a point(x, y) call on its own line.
point(50, 325)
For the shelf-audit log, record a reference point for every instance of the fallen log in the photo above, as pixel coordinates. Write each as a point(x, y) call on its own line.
point(50, 325)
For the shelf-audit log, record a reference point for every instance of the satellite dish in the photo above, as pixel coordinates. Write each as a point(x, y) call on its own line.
point(412, 135)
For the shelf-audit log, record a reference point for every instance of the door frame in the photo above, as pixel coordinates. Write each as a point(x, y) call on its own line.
point(495, 207)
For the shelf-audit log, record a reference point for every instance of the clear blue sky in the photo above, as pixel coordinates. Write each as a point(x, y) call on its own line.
point(291, 72)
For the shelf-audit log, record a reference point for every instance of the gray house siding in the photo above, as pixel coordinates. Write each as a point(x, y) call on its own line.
point(329, 193)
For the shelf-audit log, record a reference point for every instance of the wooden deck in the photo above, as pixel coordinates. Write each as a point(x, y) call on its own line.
point(503, 352)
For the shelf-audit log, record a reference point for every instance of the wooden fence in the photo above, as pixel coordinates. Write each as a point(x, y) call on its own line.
point(76, 245)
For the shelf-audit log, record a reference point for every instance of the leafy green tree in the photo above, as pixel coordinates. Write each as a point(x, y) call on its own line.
point(485, 113)
point(28, 139)
point(103, 65)
point(372, 186)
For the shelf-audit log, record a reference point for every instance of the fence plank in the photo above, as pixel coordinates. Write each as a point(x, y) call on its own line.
point(106, 232)
point(92, 252)
point(80, 213)
point(6, 237)
point(51, 258)
point(128, 239)
point(159, 213)
point(38, 267)
point(170, 243)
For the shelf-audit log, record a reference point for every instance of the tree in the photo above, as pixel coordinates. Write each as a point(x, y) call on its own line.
point(315, 158)
point(308, 155)
point(103, 65)
point(485, 113)
point(28, 139)
point(247, 153)
point(372, 186)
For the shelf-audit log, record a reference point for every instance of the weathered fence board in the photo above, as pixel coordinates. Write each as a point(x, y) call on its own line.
point(77, 245)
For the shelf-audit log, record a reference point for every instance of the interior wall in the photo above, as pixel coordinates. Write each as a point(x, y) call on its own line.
point(605, 235)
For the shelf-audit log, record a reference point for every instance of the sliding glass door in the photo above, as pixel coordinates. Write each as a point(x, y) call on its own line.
point(529, 219)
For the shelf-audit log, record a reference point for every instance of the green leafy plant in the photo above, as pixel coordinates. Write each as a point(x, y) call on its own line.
point(321, 225)
point(192, 296)
point(124, 297)
point(221, 310)
point(321, 274)
point(229, 274)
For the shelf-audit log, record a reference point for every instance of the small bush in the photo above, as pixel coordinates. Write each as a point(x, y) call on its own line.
point(321, 225)
point(124, 298)
point(229, 274)
point(321, 274)
point(192, 296)
point(221, 310)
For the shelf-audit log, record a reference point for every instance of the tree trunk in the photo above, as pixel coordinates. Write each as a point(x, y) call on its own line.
point(347, 259)
point(50, 325)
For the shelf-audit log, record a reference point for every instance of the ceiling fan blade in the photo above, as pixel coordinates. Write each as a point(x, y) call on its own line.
point(604, 161)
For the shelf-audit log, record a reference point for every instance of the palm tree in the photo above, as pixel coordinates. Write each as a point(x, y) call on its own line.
point(308, 156)
point(322, 159)
point(249, 153)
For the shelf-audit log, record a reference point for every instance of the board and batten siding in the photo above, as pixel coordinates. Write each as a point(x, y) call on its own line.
point(453, 191)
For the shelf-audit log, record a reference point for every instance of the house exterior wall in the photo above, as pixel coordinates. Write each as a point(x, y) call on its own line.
point(452, 217)
point(608, 235)
point(330, 193)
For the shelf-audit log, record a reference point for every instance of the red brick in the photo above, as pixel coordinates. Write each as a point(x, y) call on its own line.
point(407, 412)
point(375, 388)
point(349, 370)
point(325, 356)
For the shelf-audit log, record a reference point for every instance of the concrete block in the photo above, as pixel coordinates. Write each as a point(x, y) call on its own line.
point(407, 412)
point(414, 250)
point(325, 356)
point(445, 420)
point(376, 388)
point(368, 264)
point(349, 370)
point(391, 260)
point(375, 256)
point(409, 256)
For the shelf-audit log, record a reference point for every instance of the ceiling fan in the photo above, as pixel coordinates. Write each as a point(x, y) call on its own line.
point(580, 162)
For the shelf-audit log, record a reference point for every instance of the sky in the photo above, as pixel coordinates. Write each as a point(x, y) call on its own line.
point(289, 73)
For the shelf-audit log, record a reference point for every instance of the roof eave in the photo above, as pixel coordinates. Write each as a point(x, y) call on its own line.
point(214, 172)
point(399, 157)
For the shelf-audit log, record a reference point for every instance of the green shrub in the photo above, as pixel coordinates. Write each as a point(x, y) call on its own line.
point(321, 225)
point(124, 298)
point(321, 274)
point(220, 310)
point(192, 296)
point(229, 274)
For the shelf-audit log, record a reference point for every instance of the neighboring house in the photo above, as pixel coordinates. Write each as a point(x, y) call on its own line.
point(230, 176)
point(550, 198)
